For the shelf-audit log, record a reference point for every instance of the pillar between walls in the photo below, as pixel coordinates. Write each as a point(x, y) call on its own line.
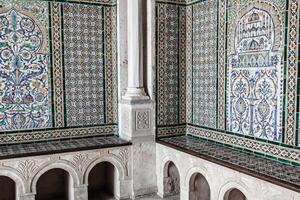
point(29, 196)
point(136, 108)
point(137, 125)
point(81, 192)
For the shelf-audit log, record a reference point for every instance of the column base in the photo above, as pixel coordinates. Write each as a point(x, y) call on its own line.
point(135, 94)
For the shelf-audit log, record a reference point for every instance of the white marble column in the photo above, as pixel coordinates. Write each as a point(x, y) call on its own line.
point(137, 109)
point(135, 89)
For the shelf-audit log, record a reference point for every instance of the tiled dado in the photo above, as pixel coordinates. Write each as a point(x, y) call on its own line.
point(60, 80)
point(261, 147)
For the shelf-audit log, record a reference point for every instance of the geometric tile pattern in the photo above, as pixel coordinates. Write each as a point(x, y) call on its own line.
point(84, 64)
point(74, 68)
point(205, 26)
point(57, 65)
point(189, 63)
point(168, 76)
point(269, 170)
point(292, 73)
point(24, 71)
point(255, 69)
point(41, 148)
point(221, 65)
point(182, 64)
point(110, 67)
point(56, 134)
point(171, 130)
point(247, 143)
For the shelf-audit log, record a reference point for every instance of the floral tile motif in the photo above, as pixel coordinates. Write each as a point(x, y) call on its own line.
point(255, 70)
point(58, 69)
point(83, 57)
point(205, 24)
point(24, 71)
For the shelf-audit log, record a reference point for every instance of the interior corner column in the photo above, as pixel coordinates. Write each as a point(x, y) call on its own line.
point(135, 50)
point(137, 109)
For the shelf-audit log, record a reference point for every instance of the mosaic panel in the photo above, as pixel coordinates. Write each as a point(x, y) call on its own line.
point(84, 64)
point(168, 76)
point(24, 67)
point(292, 73)
point(222, 65)
point(57, 65)
point(74, 43)
point(171, 130)
point(110, 57)
point(182, 64)
point(255, 69)
point(189, 63)
point(205, 24)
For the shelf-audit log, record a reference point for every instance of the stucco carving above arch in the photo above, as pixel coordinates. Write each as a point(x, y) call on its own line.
point(115, 161)
point(235, 185)
point(58, 164)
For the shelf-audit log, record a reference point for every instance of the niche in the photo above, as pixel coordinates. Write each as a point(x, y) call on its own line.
point(199, 188)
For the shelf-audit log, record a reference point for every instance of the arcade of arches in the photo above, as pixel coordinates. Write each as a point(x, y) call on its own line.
point(149, 99)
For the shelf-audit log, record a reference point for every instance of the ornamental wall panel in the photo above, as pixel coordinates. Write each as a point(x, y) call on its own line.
point(241, 73)
point(58, 69)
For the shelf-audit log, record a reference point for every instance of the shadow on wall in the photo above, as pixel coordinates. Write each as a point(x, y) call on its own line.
point(53, 184)
point(8, 188)
point(199, 188)
point(234, 194)
point(171, 179)
point(101, 182)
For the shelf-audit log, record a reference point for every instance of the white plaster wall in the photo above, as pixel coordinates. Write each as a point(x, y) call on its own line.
point(27, 170)
point(219, 178)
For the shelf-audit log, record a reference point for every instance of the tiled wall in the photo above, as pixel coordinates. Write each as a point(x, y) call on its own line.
point(58, 69)
point(227, 71)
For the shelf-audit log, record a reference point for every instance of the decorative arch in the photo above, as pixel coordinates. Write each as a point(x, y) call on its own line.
point(272, 9)
point(119, 166)
point(235, 185)
point(20, 184)
point(199, 187)
point(197, 169)
point(56, 165)
point(171, 179)
point(166, 160)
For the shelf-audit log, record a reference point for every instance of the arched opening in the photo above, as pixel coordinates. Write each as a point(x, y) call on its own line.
point(8, 188)
point(101, 181)
point(171, 180)
point(54, 184)
point(199, 188)
point(234, 194)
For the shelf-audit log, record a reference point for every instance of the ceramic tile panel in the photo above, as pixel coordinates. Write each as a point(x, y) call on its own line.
point(58, 69)
point(168, 65)
point(84, 64)
point(24, 66)
point(205, 26)
point(255, 68)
